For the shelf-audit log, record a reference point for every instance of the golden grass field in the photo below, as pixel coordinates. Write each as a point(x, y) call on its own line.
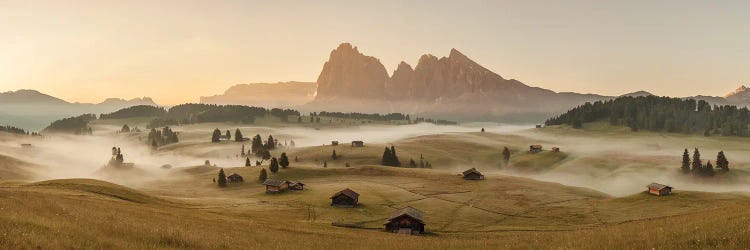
point(182, 208)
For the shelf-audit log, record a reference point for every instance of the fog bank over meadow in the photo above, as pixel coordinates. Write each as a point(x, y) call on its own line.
point(615, 165)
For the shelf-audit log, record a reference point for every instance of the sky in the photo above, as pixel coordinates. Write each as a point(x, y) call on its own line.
point(177, 51)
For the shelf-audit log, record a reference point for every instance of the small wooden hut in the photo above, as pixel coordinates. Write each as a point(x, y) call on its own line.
point(555, 149)
point(235, 178)
point(358, 144)
point(473, 174)
point(659, 189)
point(535, 148)
point(407, 220)
point(276, 186)
point(334, 143)
point(296, 185)
point(345, 198)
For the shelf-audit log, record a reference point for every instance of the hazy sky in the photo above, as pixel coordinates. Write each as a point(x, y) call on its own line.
point(176, 51)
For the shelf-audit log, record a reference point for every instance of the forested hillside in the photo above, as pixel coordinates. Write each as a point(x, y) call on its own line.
point(660, 114)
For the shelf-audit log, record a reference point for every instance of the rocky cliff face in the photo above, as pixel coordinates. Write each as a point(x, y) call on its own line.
point(453, 85)
point(351, 74)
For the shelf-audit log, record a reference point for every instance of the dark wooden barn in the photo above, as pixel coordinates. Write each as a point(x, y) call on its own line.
point(659, 189)
point(234, 178)
point(473, 174)
point(407, 220)
point(275, 186)
point(345, 198)
point(358, 144)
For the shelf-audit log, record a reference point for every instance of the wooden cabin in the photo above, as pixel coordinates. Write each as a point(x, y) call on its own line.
point(358, 144)
point(407, 220)
point(235, 178)
point(555, 149)
point(345, 198)
point(296, 185)
point(535, 148)
point(659, 189)
point(334, 143)
point(473, 174)
point(276, 186)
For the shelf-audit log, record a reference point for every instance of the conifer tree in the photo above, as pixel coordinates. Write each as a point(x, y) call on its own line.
point(412, 163)
point(387, 156)
point(263, 175)
point(222, 178)
point(216, 135)
point(284, 160)
point(506, 155)
point(274, 166)
point(722, 162)
point(708, 170)
point(697, 163)
point(257, 144)
point(394, 160)
point(228, 135)
point(325, 164)
point(247, 162)
point(242, 151)
point(333, 156)
point(238, 137)
point(686, 162)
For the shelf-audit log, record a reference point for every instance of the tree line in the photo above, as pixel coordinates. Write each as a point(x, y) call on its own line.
point(661, 114)
point(696, 166)
point(157, 138)
point(15, 130)
point(75, 125)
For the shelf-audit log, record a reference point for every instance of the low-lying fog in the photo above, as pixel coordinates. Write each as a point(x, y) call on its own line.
point(614, 165)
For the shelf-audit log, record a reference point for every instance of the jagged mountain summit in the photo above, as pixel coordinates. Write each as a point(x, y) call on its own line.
point(454, 86)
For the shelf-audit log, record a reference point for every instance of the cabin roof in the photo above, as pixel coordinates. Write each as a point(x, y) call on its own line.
point(408, 211)
point(295, 183)
point(657, 186)
point(275, 183)
point(347, 192)
point(234, 174)
point(471, 170)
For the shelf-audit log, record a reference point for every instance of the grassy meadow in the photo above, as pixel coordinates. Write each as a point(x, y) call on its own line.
point(589, 196)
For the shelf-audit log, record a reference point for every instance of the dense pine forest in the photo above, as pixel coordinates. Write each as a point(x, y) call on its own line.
point(74, 125)
point(665, 114)
point(135, 111)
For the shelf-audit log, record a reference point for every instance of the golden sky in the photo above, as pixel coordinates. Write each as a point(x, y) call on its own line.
point(176, 51)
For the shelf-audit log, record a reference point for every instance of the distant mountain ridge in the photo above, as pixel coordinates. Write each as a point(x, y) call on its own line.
point(453, 86)
point(270, 95)
point(33, 110)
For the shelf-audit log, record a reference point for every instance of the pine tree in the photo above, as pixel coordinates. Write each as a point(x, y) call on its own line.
point(257, 144)
point(238, 137)
point(263, 175)
point(284, 160)
point(154, 145)
point(333, 156)
point(686, 162)
point(247, 162)
point(386, 160)
point(395, 161)
point(325, 164)
point(506, 155)
point(222, 178)
point(708, 170)
point(228, 135)
point(270, 143)
point(412, 163)
point(242, 151)
point(722, 162)
point(216, 135)
point(274, 166)
point(697, 163)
